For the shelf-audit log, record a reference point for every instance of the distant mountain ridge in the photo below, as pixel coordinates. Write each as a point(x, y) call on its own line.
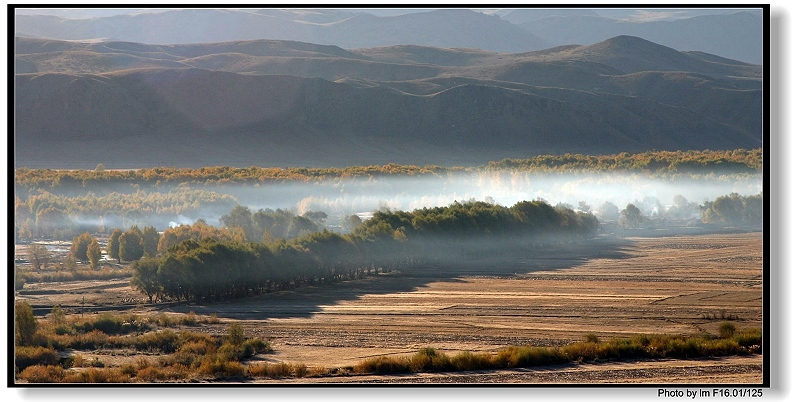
point(728, 32)
point(288, 103)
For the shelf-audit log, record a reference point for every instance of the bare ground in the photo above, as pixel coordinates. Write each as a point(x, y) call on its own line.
point(609, 287)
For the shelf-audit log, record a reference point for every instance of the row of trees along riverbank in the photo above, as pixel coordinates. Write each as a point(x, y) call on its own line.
point(211, 269)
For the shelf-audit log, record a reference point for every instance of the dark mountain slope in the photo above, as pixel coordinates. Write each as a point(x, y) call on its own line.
point(293, 103)
point(283, 118)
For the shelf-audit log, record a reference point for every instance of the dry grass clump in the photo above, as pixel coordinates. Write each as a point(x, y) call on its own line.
point(641, 346)
point(281, 370)
point(42, 374)
point(26, 356)
point(160, 374)
point(527, 356)
point(57, 374)
point(221, 368)
point(96, 375)
point(181, 354)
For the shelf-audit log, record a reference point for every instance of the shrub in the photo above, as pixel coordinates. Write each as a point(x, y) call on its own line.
point(383, 365)
point(90, 340)
point(319, 372)
point(26, 356)
point(107, 323)
point(727, 329)
point(299, 370)
point(96, 375)
point(466, 361)
point(229, 352)
point(221, 368)
point(719, 347)
point(271, 370)
point(620, 349)
point(165, 341)
point(162, 320)
point(255, 345)
point(581, 351)
point(198, 347)
point(128, 369)
point(58, 316)
point(43, 374)
point(186, 359)
point(749, 338)
point(423, 360)
point(142, 362)
point(681, 348)
point(427, 359)
point(149, 374)
point(517, 356)
point(190, 336)
point(78, 360)
point(189, 319)
point(176, 372)
point(19, 282)
point(235, 334)
point(155, 374)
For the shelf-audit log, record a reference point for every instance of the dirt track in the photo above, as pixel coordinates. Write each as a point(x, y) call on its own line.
point(681, 285)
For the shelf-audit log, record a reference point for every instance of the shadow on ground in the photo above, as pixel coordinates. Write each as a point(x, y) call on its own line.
point(303, 302)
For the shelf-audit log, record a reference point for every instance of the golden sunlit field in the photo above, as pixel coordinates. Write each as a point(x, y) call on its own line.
point(609, 287)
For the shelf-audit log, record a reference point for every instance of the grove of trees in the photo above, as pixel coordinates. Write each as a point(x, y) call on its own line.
point(735, 210)
point(217, 267)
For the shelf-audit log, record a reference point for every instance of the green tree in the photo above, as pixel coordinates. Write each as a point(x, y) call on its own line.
point(79, 246)
point(150, 239)
point(145, 277)
point(38, 256)
point(241, 217)
point(753, 210)
point(631, 217)
point(25, 324)
point(681, 208)
point(130, 245)
point(25, 233)
point(318, 217)
point(235, 334)
point(112, 248)
point(608, 211)
point(350, 223)
point(93, 253)
point(300, 226)
point(725, 210)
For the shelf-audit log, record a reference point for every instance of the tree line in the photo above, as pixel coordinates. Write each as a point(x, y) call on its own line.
point(741, 160)
point(216, 269)
point(60, 217)
point(675, 162)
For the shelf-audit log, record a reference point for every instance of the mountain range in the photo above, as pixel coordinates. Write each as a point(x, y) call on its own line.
point(290, 103)
point(734, 33)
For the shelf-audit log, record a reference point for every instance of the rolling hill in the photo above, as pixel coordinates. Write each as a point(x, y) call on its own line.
point(289, 103)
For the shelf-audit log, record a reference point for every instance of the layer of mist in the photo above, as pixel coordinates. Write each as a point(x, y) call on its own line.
point(343, 197)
